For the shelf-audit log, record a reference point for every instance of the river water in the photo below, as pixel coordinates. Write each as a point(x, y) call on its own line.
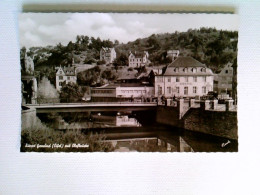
point(135, 131)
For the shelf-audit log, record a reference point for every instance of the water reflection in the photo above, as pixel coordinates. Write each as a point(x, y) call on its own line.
point(137, 132)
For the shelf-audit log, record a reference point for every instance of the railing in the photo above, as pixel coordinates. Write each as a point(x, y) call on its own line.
point(57, 101)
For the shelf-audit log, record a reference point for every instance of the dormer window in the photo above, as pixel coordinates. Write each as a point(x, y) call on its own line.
point(193, 70)
point(203, 69)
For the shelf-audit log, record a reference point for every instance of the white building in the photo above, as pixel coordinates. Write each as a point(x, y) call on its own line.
point(121, 92)
point(107, 54)
point(184, 77)
point(173, 54)
point(138, 59)
point(65, 75)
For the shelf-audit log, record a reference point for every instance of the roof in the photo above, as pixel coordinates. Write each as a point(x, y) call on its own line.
point(69, 71)
point(106, 49)
point(139, 54)
point(186, 62)
point(115, 85)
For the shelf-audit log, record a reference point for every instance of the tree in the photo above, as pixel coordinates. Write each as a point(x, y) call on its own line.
point(71, 92)
point(121, 60)
point(47, 92)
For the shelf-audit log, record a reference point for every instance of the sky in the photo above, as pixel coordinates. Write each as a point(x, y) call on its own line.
point(42, 29)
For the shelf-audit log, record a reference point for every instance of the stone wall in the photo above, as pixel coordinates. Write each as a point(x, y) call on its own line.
point(168, 115)
point(28, 118)
point(219, 123)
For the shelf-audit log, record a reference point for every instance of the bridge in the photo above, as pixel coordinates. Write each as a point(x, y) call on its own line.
point(92, 106)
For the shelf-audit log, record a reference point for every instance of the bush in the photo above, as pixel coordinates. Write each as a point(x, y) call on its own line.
point(41, 134)
point(130, 69)
point(89, 61)
point(101, 62)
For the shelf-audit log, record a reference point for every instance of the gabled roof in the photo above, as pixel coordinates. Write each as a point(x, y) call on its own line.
point(186, 62)
point(106, 49)
point(68, 71)
point(139, 54)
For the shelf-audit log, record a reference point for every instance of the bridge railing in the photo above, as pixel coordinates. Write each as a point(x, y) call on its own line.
point(58, 101)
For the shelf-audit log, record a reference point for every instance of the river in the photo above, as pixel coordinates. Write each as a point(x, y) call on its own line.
point(135, 131)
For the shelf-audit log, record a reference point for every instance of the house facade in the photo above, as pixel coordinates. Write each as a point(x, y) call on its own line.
point(107, 54)
point(184, 77)
point(65, 75)
point(138, 59)
point(224, 79)
point(173, 54)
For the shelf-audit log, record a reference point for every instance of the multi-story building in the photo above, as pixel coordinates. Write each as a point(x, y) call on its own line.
point(224, 79)
point(107, 54)
point(65, 75)
point(121, 92)
point(184, 77)
point(138, 59)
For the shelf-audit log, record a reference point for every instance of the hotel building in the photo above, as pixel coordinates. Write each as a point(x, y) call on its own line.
point(184, 77)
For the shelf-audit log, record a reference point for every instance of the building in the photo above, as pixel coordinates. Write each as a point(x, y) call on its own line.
point(65, 75)
point(224, 80)
point(122, 92)
point(184, 77)
point(107, 54)
point(173, 54)
point(138, 59)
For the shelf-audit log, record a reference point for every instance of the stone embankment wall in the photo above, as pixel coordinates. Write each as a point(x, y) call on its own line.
point(222, 124)
point(206, 117)
point(28, 118)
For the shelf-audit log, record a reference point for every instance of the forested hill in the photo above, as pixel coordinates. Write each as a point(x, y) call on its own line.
point(210, 46)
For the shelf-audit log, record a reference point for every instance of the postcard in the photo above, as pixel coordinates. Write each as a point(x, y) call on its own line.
point(128, 82)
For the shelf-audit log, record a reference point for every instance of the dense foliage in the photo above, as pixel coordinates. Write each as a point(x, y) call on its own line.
point(41, 134)
point(94, 76)
point(210, 46)
point(71, 92)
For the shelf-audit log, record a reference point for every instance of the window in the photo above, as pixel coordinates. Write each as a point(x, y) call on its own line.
point(204, 79)
point(60, 72)
point(60, 83)
point(226, 71)
point(178, 89)
point(194, 79)
point(177, 79)
point(186, 79)
point(169, 79)
point(68, 78)
point(194, 89)
point(60, 77)
point(203, 89)
point(169, 90)
point(185, 90)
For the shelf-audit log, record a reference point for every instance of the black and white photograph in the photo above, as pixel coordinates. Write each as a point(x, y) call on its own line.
point(128, 82)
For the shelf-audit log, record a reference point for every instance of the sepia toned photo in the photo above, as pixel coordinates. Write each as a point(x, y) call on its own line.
point(128, 82)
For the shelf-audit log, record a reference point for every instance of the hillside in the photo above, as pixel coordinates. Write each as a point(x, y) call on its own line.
point(210, 46)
